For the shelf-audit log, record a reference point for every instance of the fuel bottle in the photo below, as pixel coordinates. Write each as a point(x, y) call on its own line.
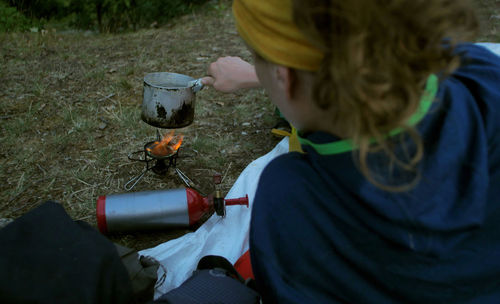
point(148, 210)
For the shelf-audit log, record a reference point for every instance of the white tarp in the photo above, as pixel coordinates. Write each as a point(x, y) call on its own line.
point(227, 237)
point(494, 47)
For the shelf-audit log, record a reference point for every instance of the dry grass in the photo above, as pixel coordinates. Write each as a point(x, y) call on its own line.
point(489, 13)
point(70, 113)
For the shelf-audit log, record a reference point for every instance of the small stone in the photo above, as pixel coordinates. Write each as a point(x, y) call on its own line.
point(102, 125)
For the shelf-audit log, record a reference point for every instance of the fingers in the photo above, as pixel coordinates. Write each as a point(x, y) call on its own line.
point(229, 74)
point(208, 80)
point(213, 68)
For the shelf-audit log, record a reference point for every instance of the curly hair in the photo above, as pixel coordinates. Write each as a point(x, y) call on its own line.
point(378, 55)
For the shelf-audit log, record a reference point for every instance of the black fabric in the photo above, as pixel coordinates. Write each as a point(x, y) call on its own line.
point(215, 281)
point(215, 261)
point(46, 257)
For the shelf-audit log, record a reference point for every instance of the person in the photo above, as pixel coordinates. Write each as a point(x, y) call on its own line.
point(395, 198)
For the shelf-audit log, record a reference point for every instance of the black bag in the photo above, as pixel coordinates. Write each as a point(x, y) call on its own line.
point(214, 281)
point(46, 257)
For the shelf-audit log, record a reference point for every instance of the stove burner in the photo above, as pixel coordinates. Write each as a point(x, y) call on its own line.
point(149, 151)
point(158, 164)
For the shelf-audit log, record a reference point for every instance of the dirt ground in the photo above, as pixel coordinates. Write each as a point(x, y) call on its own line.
point(70, 113)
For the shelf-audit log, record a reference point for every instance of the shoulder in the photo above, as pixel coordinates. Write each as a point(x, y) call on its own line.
point(473, 89)
point(286, 181)
point(478, 67)
point(284, 177)
point(476, 51)
point(293, 190)
point(286, 165)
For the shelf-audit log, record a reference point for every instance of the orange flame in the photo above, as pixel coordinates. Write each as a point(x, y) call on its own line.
point(169, 144)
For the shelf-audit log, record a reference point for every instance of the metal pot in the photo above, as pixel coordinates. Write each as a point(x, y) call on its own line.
point(169, 99)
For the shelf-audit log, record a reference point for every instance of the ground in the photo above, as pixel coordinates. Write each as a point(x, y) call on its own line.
point(70, 113)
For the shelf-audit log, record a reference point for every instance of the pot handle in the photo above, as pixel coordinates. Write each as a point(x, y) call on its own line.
point(195, 85)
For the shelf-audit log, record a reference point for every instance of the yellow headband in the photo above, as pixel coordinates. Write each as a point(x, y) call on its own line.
point(267, 26)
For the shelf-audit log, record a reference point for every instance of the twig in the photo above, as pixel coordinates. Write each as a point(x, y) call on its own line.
point(124, 164)
point(12, 199)
point(106, 97)
point(79, 198)
point(225, 173)
point(78, 191)
point(20, 182)
point(84, 182)
point(41, 168)
point(85, 217)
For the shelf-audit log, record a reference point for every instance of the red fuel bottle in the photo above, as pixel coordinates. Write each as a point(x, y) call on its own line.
point(159, 209)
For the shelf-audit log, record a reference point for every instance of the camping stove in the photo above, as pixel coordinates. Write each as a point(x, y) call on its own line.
point(158, 163)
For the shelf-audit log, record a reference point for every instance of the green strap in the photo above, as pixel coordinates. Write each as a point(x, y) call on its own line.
point(347, 145)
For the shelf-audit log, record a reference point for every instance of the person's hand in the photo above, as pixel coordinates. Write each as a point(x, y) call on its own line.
point(229, 74)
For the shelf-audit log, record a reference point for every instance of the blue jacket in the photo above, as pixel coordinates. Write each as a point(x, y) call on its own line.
point(321, 233)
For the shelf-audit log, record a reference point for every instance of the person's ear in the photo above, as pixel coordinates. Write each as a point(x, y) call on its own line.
point(287, 79)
